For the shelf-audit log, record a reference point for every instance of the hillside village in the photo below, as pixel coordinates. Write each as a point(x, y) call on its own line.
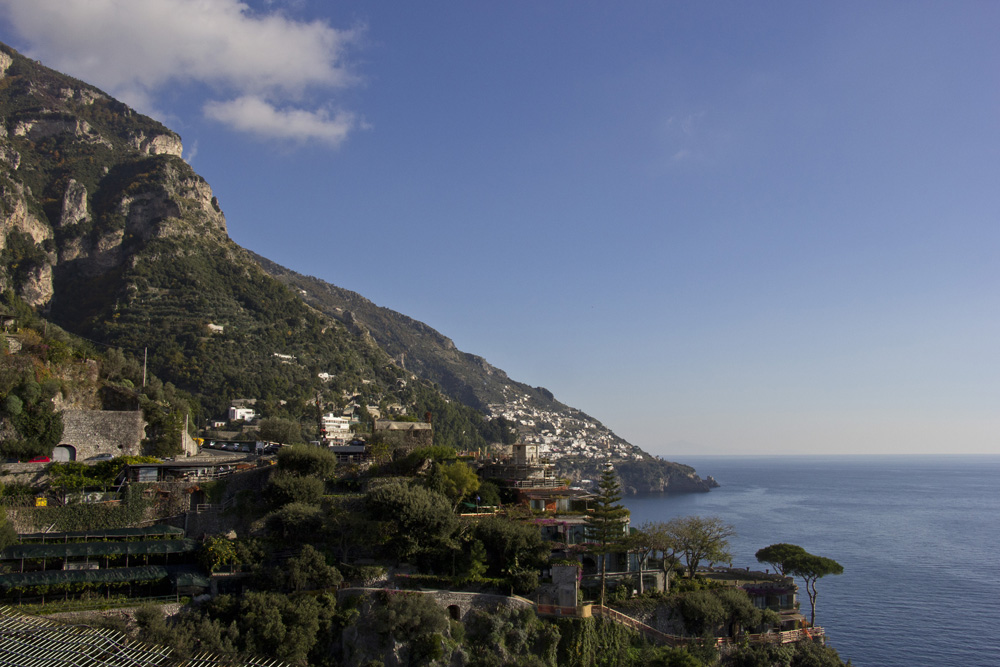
point(98, 525)
point(560, 433)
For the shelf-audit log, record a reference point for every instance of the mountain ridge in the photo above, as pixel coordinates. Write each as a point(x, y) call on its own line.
point(539, 416)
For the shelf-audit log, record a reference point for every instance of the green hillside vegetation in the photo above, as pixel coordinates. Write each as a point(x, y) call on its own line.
point(150, 266)
point(52, 363)
point(423, 350)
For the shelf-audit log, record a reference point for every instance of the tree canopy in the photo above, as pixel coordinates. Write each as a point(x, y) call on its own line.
point(415, 518)
point(308, 460)
point(778, 556)
point(279, 429)
point(810, 569)
point(700, 539)
point(455, 480)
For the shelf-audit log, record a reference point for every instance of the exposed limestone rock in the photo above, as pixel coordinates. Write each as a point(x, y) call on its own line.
point(70, 250)
point(199, 193)
point(8, 155)
point(80, 387)
point(160, 144)
point(5, 62)
point(74, 208)
point(180, 195)
point(84, 96)
point(54, 123)
point(19, 217)
point(106, 253)
point(37, 289)
point(145, 209)
point(49, 125)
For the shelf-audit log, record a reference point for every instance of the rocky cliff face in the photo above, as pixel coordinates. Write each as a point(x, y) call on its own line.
point(80, 176)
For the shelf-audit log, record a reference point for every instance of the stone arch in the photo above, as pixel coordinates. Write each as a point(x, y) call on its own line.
point(64, 453)
point(455, 612)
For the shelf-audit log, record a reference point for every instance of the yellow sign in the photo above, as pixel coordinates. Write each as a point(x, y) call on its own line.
point(41, 502)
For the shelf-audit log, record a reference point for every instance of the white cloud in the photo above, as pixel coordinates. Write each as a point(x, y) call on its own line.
point(136, 49)
point(258, 116)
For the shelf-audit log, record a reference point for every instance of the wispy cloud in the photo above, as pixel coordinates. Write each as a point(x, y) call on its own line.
point(258, 116)
point(684, 136)
point(192, 152)
point(269, 74)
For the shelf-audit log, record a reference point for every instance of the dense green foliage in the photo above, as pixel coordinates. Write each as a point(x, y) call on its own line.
point(72, 476)
point(27, 387)
point(595, 642)
point(455, 480)
point(718, 612)
point(285, 487)
point(510, 637)
point(508, 542)
point(801, 654)
point(93, 516)
point(281, 430)
point(415, 520)
point(306, 571)
point(8, 535)
point(307, 460)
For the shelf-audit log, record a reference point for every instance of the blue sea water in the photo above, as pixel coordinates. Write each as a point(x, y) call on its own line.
point(919, 539)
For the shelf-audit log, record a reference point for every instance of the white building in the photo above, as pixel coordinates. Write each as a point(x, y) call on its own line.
point(336, 428)
point(246, 414)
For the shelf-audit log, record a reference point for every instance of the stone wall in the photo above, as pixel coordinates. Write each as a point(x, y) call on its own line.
point(403, 437)
point(457, 603)
point(126, 614)
point(92, 432)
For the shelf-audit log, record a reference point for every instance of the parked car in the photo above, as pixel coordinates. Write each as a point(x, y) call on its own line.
point(39, 459)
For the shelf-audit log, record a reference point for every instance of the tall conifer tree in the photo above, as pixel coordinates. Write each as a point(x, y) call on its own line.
point(606, 520)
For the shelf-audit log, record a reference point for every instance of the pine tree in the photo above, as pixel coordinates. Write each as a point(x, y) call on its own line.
point(606, 520)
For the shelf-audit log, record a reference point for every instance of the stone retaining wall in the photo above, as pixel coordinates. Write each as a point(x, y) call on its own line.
point(457, 603)
point(92, 432)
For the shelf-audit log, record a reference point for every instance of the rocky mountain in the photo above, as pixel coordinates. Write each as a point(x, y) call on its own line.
point(108, 232)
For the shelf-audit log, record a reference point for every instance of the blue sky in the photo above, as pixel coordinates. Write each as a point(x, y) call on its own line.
point(718, 227)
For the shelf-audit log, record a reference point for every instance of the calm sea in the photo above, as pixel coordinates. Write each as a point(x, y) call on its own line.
point(919, 539)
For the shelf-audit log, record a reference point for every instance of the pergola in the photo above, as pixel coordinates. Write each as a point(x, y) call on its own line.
point(29, 641)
